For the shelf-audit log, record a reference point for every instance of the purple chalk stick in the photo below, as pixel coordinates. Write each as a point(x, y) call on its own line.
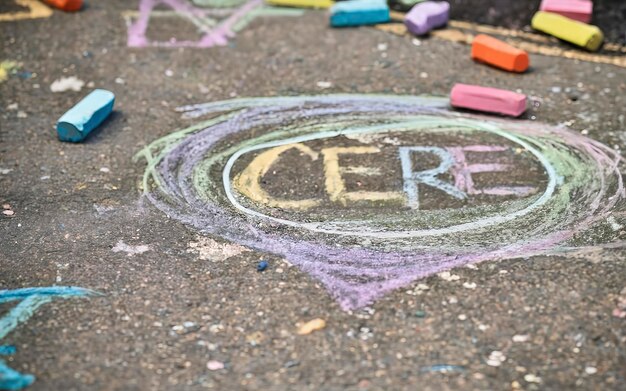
point(427, 16)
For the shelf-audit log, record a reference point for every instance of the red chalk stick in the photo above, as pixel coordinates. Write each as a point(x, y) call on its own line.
point(579, 10)
point(66, 5)
point(488, 99)
point(499, 54)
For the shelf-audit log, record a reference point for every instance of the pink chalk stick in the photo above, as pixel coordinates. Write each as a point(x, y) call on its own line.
point(488, 99)
point(580, 10)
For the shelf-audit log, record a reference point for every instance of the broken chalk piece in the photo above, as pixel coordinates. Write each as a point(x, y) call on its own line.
point(302, 3)
point(499, 54)
point(581, 34)
point(488, 99)
point(261, 266)
point(66, 5)
point(580, 10)
point(81, 119)
point(311, 326)
point(427, 16)
point(359, 13)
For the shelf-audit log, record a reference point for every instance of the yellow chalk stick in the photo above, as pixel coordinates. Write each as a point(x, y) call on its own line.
point(302, 3)
point(585, 35)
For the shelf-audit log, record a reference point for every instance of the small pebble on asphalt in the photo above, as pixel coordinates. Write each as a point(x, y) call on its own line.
point(215, 365)
point(311, 326)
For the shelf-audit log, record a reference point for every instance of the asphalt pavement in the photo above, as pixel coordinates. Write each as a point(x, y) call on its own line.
point(180, 304)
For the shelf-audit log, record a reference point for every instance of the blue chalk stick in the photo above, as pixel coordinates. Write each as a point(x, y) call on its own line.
point(81, 119)
point(359, 13)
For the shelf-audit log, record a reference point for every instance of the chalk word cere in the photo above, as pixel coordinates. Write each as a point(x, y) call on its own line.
point(368, 193)
point(452, 159)
point(29, 300)
point(215, 24)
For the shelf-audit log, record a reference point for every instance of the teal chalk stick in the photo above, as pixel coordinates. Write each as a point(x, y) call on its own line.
point(81, 119)
point(359, 13)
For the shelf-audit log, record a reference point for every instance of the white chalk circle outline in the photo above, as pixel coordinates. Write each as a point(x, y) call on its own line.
point(414, 125)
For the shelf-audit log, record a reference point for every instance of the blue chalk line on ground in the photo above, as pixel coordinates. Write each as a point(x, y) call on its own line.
point(443, 368)
point(11, 379)
point(57, 291)
point(30, 299)
point(7, 350)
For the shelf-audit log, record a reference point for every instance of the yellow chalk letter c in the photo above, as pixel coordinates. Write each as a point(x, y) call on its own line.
point(248, 182)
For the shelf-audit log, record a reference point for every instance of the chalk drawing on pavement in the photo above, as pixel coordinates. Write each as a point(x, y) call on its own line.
point(35, 9)
point(215, 25)
point(28, 302)
point(368, 193)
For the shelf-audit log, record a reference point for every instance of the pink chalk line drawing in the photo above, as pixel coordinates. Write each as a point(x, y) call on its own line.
point(214, 32)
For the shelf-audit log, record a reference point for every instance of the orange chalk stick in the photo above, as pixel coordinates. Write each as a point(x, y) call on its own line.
point(499, 54)
point(66, 5)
